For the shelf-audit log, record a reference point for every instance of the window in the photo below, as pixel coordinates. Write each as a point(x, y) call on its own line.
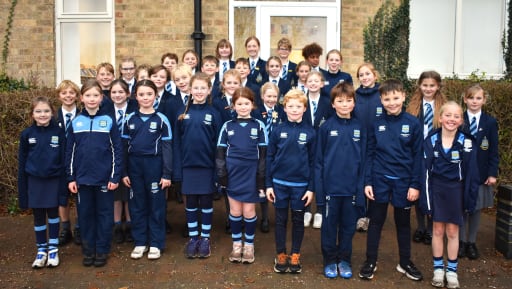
point(457, 37)
point(84, 38)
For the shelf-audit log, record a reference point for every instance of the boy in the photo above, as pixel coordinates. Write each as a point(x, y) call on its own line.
point(284, 47)
point(341, 144)
point(127, 71)
point(289, 178)
point(242, 65)
point(311, 54)
point(210, 66)
point(393, 173)
point(170, 61)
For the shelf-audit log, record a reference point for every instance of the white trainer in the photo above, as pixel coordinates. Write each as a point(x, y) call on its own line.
point(317, 221)
point(452, 281)
point(307, 219)
point(154, 253)
point(53, 258)
point(438, 279)
point(138, 252)
point(40, 260)
point(362, 224)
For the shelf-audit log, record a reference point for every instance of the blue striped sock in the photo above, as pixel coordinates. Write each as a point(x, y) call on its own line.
point(250, 229)
point(206, 222)
point(236, 228)
point(438, 263)
point(191, 215)
point(452, 265)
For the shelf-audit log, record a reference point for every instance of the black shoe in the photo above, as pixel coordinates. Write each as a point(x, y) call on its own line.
point(179, 197)
point(228, 227)
point(367, 270)
point(100, 260)
point(77, 239)
point(118, 234)
point(264, 226)
point(168, 228)
point(65, 237)
point(410, 271)
point(128, 233)
point(418, 236)
point(472, 251)
point(88, 261)
point(427, 238)
point(462, 249)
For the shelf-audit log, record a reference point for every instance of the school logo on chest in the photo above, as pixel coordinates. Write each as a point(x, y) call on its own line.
point(102, 123)
point(302, 138)
point(152, 126)
point(357, 135)
point(455, 156)
point(207, 119)
point(378, 111)
point(54, 141)
point(254, 133)
point(485, 144)
point(405, 130)
point(468, 145)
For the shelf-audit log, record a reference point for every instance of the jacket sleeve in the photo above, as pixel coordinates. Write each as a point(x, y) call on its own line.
point(471, 179)
point(260, 175)
point(494, 157)
point(370, 156)
point(418, 156)
point(311, 164)
point(117, 148)
point(63, 187)
point(70, 152)
point(167, 159)
point(426, 195)
point(319, 169)
point(360, 197)
point(271, 151)
point(22, 176)
point(176, 150)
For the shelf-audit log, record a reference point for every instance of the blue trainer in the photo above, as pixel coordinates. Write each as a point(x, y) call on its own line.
point(204, 248)
point(330, 271)
point(345, 270)
point(192, 247)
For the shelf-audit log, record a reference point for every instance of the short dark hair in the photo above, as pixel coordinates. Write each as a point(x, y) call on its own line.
point(343, 89)
point(391, 85)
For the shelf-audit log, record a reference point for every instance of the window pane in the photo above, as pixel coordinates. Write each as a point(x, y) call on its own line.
point(245, 21)
point(84, 45)
point(83, 6)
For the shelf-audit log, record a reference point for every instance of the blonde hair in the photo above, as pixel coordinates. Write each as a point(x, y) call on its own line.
point(268, 86)
point(65, 84)
point(296, 94)
point(443, 108)
point(180, 69)
point(371, 67)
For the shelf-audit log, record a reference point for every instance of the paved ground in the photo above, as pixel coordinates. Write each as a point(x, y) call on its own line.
point(173, 270)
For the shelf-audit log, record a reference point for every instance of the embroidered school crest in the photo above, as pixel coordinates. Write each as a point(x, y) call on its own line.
point(208, 117)
point(154, 187)
point(378, 111)
point(357, 135)
point(455, 156)
point(485, 144)
point(405, 130)
point(54, 141)
point(302, 138)
point(102, 123)
point(152, 125)
point(468, 145)
point(254, 133)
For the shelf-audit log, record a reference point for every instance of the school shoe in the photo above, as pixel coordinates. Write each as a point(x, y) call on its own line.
point(452, 280)
point(40, 260)
point(317, 221)
point(281, 263)
point(53, 258)
point(295, 266)
point(418, 236)
point(191, 248)
point(118, 234)
point(331, 271)
point(345, 270)
point(410, 271)
point(427, 238)
point(462, 249)
point(100, 260)
point(367, 270)
point(77, 237)
point(438, 279)
point(88, 260)
point(362, 224)
point(154, 253)
point(204, 250)
point(264, 226)
point(138, 252)
point(307, 219)
point(248, 254)
point(236, 253)
point(65, 237)
point(128, 233)
point(472, 251)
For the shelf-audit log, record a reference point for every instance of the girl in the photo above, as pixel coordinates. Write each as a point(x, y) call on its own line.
point(123, 106)
point(451, 188)
point(303, 69)
point(284, 48)
point(484, 129)
point(142, 72)
point(93, 161)
point(333, 75)
point(230, 83)
point(368, 108)
point(191, 59)
point(148, 144)
point(195, 142)
point(426, 100)
point(105, 75)
point(240, 160)
point(224, 53)
point(127, 73)
point(159, 75)
point(274, 68)
point(256, 64)
point(41, 179)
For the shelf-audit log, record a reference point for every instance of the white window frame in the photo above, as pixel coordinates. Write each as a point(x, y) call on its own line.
point(80, 17)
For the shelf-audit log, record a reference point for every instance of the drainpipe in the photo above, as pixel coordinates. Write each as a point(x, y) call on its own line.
point(198, 35)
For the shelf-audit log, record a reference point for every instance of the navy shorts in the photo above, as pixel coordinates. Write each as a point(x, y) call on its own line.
point(391, 190)
point(287, 196)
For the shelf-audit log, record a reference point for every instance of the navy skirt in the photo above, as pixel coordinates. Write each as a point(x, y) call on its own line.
point(242, 180)
point(198, 181)
point(447, 201)
point(44, 192)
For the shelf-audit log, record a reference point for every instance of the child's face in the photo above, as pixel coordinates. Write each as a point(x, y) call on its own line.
point(118, 95)
point(68, 97)
point(92, 98)
point(334, 62)
point(393, 102)
point(143, 74)
point(159, 78)
point(230, 83)
point(128, 70)
point(274, 68)
point(252, 49)
point(283, 52)
point(302, 73)
point(104, 78)
point(199, 91)
point(182, 81)
point(343, 106)
point(243, 107)
point(475, 102)
point(294, 109)
point(190, 59)
point(314, 83)
point(210, 68)
point(366, 77)
point(243, 69)
point(451, 118)
point(224, 52)
point(170, 64)
point(269, 97)
point(314, 59)
point(429, 87)
point(42, 114)
point(145, 97)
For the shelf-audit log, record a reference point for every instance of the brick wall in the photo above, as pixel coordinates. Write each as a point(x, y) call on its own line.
point(145, 29)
